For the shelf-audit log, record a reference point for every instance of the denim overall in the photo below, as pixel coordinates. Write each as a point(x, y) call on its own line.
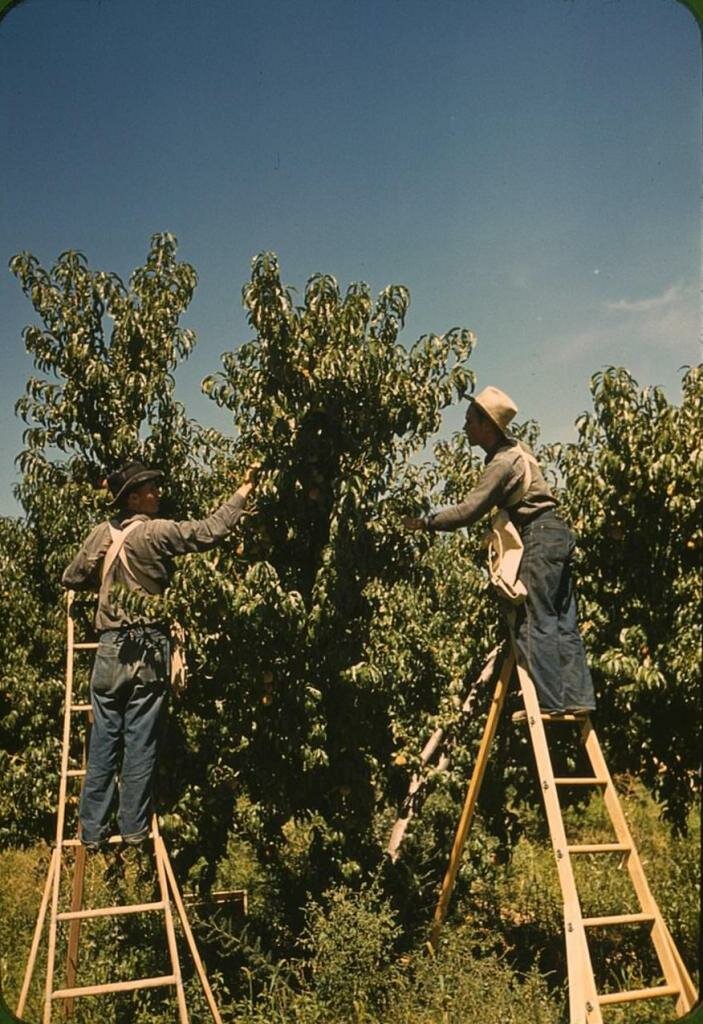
point(546, 631)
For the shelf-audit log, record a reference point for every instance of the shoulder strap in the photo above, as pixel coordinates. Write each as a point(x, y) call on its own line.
point(116, 550)
point(528, 461)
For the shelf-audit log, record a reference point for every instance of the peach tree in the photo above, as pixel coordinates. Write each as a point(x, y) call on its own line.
point(103, 392)
point(632, 485)
point(313, 716)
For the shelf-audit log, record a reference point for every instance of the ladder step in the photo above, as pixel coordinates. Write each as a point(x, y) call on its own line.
point(75, 773)
point(85, 647)
point(600, 848)
point(81, 707)
point(114, 986)
point(132, 908)
point(588, 780)
point(113, 840)
point(614, 919)
point(521, 716)
point(639, 993)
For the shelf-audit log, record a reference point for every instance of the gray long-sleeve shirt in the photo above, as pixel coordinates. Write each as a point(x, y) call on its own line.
point(505, 469)
point(150, 551)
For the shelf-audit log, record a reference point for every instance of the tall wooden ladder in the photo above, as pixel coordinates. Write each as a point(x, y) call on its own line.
point(169, 904)
point(585, 1002)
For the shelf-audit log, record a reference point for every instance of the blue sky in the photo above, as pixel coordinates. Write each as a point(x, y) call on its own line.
point(531, 171)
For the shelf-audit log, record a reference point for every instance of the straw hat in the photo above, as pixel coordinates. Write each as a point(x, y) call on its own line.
point(498, 406)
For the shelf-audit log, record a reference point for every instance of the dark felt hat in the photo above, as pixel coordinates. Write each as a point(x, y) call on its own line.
point(127, 478)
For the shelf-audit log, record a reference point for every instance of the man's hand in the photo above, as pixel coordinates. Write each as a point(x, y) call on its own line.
point(413, 523)
point(252, 473)
point(249, 481)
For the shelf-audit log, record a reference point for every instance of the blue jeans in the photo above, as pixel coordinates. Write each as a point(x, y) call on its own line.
point(128, 689)
point(547, 635)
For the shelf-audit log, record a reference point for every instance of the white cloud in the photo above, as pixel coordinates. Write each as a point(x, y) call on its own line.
point(660, 330)
point(673, 295)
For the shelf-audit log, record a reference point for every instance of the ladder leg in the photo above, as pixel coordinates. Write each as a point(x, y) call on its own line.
point(583, 998)
point(669, 958)
point(177, 899)
point(61, 812)
point(74, 929)
point(53, 925)
point(689, 996)
point(41, 917)
point(416, 783)
point(435, 742)
point(168, 918)
point(471, 797)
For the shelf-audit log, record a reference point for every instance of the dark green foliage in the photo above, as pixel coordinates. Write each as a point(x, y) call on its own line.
point(632, 487)
point(110, 351)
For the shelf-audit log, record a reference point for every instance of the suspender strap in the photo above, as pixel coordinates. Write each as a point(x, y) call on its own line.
point(528, 461)
point(116, 550)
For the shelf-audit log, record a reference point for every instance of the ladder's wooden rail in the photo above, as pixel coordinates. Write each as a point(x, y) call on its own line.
point(54, 865)
point(161, 858)
point(472, 796)
point(436, 743)
point(581, 981)
point(185, 924)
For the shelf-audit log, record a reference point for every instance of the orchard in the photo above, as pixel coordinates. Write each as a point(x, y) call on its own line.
point(325, 643)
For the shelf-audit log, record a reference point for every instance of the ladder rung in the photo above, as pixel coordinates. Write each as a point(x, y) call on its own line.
point(81, 707)
point(75, 773)
point(85, 647)
point(613, 919)
point(133, 908)
point(522, 716)
point(77, 842)
point(114, 986)
point(600, 848)
point(639, 993)
point(566, 717)
point(588, 780)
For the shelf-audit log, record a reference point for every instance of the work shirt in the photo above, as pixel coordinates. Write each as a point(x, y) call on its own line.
point(500, 481)
point(150, 551)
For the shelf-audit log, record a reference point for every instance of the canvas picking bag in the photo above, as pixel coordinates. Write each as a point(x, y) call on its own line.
point(505, 545)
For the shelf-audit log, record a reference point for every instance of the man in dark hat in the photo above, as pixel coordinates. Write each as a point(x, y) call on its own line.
point(132, 664)
point(546, 632)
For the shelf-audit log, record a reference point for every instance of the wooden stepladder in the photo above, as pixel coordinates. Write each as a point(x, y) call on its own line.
point(169, 902)
point(585, 1003)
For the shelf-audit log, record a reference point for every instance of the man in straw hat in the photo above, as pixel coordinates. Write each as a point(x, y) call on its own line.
point(132, 663)
point(546, 630)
